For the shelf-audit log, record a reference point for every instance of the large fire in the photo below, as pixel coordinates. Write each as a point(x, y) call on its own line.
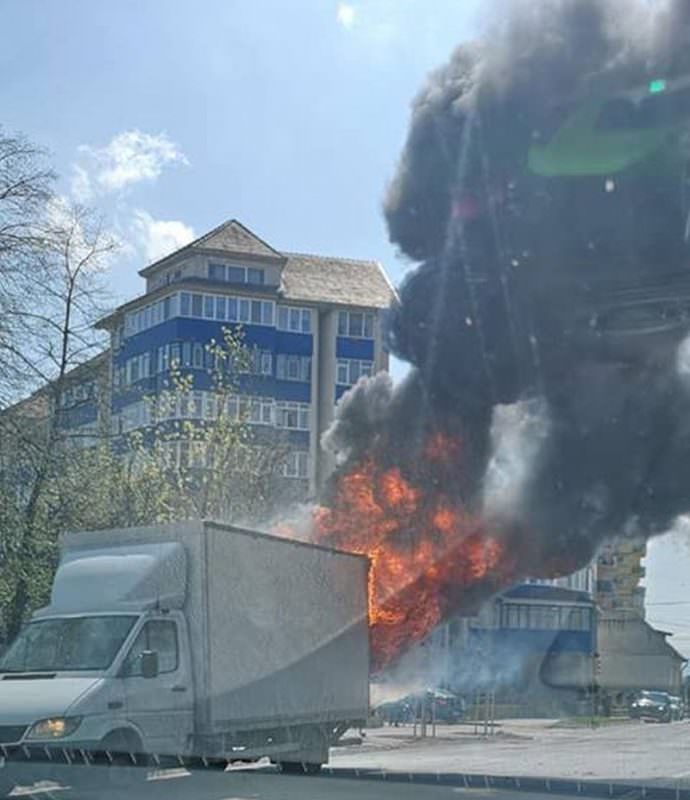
point(426, 550)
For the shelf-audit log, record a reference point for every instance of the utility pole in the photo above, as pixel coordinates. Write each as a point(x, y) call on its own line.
point(596, 668)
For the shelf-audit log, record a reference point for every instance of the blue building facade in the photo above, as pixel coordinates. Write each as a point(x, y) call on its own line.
point(533, 645)
point(312, 325)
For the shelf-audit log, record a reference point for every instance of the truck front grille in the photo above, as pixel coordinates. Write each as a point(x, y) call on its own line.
point(10, 734)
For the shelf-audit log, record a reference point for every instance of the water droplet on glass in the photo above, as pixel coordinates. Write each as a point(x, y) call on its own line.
point(468, 321)
point(610, 185)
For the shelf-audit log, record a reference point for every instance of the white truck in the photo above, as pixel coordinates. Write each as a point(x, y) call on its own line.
point(190, 640)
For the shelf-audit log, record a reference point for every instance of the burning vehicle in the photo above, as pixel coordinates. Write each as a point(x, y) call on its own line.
point(543, 197)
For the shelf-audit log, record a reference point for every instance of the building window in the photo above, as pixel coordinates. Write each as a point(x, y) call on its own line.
point(244, 310)
point(266, 366)
point(293, 416)
point(356, 324)
point(136, 368)
point(295, 320)
point(227, 309)
point(253, 410)
point(296, 464)
point(216, 272)
point(293, 368)
point(136, 415)
point(350, 370)
point(260, 362)
point(163, 358)
point(154, 313)
point(236, 275)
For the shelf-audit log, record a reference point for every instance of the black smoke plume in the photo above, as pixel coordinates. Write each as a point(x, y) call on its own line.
point(570, 291)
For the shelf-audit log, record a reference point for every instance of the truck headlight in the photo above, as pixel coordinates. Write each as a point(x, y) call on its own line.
point(54, 728)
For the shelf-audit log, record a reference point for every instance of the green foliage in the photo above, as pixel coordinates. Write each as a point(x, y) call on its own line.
point(210, 465)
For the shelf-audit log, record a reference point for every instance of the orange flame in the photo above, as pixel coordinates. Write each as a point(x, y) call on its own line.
point(426, 551)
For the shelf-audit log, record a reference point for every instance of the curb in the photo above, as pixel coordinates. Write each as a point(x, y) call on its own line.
point(562, 786)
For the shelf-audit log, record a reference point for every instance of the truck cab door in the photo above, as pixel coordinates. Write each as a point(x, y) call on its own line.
point(160, 706)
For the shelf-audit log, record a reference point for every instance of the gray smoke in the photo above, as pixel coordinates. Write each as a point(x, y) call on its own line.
point(565, 292)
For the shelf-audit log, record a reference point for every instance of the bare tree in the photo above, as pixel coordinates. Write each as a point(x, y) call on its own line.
point(55, 334)
point(26, 187)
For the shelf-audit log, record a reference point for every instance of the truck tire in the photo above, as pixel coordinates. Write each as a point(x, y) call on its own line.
point(122, 742)
point(6, 786)
point(118, 773)
point(311, 754)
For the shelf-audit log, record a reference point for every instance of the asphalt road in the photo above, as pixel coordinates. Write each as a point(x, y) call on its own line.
point(631, 753)
point(264, 785)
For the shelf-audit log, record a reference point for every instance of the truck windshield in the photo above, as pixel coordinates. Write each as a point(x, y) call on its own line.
point(71, 643)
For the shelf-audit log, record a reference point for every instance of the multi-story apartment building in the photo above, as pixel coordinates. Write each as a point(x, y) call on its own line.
point(619, 572)
point(313, 325)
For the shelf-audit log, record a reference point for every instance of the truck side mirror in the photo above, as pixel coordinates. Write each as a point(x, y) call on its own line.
point(149, 664)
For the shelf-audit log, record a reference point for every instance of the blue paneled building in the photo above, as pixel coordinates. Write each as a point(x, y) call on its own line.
point(313, 325)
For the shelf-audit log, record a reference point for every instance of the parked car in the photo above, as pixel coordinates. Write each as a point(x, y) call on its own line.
point(652, 705)
point(438, 704)
point(396, 712)
point(677, 707)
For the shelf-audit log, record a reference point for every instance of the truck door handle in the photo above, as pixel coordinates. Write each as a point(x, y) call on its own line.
point(179, 689)
point(113, 704)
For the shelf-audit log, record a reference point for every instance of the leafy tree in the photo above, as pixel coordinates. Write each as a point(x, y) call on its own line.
point(218, 467)
point(207, 464)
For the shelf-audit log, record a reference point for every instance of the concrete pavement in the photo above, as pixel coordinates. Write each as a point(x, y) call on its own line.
point(633, 752)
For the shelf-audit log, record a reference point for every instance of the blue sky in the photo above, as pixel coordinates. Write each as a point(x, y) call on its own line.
point(171, 117)
point(286, 114)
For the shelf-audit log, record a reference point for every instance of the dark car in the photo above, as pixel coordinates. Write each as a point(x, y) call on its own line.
point(395, 712)
point(437, 705)
point(651, 705)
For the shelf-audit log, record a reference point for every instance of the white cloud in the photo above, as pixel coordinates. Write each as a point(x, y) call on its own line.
point(346, 15)
point(129, 158)
point(159, 237)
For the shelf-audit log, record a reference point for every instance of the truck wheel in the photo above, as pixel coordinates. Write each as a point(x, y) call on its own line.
point(217, 764)
point(120, 773)
point(121, 743)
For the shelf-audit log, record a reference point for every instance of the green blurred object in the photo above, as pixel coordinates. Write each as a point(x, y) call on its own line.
point(606, 135)
point(579, 148)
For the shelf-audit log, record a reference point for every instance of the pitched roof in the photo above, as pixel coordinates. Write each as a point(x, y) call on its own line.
point(327, 279)
point(232, 237)
point(304, 277)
